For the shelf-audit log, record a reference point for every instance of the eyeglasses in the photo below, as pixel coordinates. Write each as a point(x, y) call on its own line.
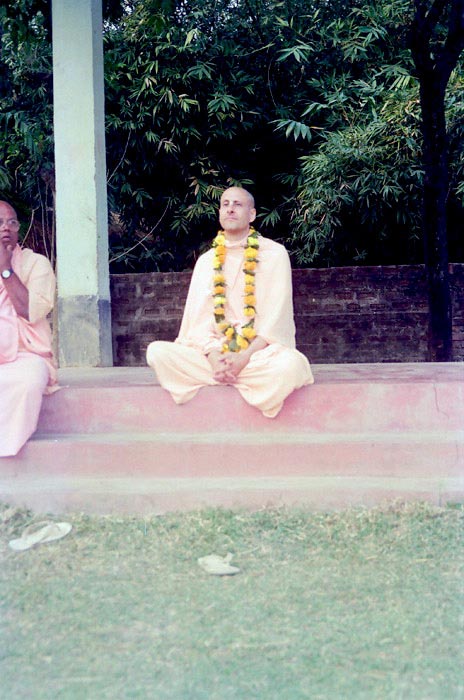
point(12, 223)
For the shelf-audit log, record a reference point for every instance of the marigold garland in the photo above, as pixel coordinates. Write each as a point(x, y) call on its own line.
point(235, 341)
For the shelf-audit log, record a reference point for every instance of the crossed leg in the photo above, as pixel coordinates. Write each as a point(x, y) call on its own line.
point(270, 376)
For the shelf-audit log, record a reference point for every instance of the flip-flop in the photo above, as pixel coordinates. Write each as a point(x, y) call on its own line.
point(218, 566)
point(40, 533)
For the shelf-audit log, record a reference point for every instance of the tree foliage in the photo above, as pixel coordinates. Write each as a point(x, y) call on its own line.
point(314, 106)
point(359, 191)
point(26, 119)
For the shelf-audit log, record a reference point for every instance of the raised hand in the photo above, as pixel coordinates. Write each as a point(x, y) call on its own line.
point(6, 253)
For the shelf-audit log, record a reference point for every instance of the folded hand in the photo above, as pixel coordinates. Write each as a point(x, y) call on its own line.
point(227, 366)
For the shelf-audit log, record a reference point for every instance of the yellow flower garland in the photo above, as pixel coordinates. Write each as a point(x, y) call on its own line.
point(234, 341)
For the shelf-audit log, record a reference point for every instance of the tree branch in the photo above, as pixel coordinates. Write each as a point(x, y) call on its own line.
point(425, 21)
point(454, 44)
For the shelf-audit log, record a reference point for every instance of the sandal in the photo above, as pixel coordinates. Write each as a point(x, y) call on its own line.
point(218, 566)
point(40, 533)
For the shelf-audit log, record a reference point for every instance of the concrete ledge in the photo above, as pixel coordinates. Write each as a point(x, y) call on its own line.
point(112, 441)
point(156, 496)
point(346, 398)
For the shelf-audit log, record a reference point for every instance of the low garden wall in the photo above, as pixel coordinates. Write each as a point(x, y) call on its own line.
point(345, 314)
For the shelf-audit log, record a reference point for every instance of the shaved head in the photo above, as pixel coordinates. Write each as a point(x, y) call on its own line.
point(236, 212)
point(230, 191)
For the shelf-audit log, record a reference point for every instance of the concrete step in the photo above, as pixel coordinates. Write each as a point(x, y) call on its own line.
point(346, 398)
point(112, 441)
point(213, 454)
point(152, 495)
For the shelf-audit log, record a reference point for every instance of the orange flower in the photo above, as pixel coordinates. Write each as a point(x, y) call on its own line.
point(248, 332)
point(235, 341)
point(250, 253)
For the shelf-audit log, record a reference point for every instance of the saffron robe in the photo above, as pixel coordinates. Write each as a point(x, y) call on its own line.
point(27, 367)
point(272, 373)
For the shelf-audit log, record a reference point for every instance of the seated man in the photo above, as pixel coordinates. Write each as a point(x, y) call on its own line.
point(27, 370)
point(238, 325)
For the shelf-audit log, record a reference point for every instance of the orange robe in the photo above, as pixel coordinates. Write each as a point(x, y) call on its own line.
point(27, 367)
point(272, 373)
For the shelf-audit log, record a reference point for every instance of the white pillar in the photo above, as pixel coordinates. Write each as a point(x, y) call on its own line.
point(84, 307)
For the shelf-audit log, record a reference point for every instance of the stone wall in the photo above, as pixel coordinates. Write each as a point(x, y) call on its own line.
point(346, 314)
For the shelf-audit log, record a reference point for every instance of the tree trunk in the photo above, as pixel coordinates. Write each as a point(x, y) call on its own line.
point(434, 224)
point(434, 60)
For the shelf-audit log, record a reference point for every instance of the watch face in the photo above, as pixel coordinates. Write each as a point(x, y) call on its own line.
point(6, 274)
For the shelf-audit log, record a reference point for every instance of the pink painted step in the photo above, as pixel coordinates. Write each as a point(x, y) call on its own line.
point(232, 454)
point(113, 441)
point(345, 398)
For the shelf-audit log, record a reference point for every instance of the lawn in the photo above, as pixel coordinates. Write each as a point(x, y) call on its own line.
point(358, 604)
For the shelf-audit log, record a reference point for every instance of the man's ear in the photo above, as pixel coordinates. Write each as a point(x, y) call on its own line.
point(252, 215)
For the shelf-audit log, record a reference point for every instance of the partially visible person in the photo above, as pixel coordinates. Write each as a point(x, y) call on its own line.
point(238, 326)
point(27, 367)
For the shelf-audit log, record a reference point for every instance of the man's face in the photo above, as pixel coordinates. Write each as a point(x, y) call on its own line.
point(8, 225)
point(236, 211)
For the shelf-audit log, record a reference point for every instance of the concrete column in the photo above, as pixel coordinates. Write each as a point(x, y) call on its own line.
point(84, 308)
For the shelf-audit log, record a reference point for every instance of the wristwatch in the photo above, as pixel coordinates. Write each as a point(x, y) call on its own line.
point(7, 273)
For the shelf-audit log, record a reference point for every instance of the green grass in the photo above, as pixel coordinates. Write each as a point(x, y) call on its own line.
point(355, 604)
